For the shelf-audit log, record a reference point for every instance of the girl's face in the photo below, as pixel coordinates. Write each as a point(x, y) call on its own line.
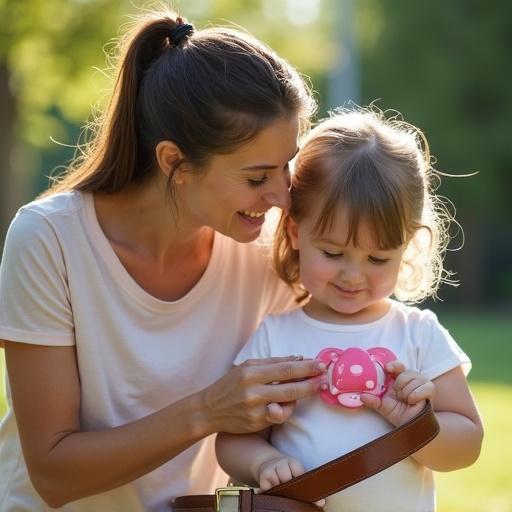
point(346, 283)
point(235, 191)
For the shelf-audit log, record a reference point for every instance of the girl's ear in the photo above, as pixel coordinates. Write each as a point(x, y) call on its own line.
point(292, 229)
point(168, 154)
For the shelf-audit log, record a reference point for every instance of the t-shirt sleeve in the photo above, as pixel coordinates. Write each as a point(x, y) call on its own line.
point(438, 351)
point(257, 347)
point(34, 295)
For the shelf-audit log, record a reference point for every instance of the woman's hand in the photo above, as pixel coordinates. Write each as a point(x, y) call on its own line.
point(260, 392)
point(405, 398)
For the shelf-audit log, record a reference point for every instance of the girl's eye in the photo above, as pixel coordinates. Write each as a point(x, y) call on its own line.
point(328, 254)
point(378, 261)
point(257, 183)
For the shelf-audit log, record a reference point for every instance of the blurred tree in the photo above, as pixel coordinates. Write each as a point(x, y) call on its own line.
point(47, 49)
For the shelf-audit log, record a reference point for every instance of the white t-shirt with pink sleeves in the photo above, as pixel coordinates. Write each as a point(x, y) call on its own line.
point(61, 283)
point(317, 432)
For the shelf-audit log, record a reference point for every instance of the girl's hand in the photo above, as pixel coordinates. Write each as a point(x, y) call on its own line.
point(258, 393)
point(405, 398)
point(278, 471)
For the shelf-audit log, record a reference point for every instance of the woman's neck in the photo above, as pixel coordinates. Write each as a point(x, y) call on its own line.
point(143, 221)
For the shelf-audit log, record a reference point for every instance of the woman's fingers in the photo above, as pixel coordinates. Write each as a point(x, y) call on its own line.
point(281, 371)
point(270, 360)
point(253, 396)
point(293, 391)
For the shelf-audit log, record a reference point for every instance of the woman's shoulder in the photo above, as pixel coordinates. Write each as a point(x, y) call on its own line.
point(37, 220)
point(63, 203)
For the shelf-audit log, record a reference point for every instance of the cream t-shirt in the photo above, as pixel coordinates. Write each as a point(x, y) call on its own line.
point(317, 432)
point(61, 283)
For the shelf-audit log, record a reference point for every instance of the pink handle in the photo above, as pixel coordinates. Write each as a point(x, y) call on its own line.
point(353, 371)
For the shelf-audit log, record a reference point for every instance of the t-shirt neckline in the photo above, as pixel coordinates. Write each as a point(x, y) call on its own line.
point(128, 283)
point(329, 326)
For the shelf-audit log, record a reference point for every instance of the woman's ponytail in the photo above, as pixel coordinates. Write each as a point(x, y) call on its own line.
point(207, 91)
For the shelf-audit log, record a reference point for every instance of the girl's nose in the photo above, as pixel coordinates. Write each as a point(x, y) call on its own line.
point(351, 273)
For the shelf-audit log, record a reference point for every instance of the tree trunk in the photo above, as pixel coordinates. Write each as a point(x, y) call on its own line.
point(8, 200)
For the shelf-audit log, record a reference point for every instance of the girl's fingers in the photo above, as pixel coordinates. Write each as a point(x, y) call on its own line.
point(422, 392)
point(283, 471)
point(405, 379)
point(395, 367)
point(372, 401)
point(267, 482)
point(296, 467)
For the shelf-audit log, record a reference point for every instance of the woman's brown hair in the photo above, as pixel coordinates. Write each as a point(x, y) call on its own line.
point(209, 93)
point(375, 170)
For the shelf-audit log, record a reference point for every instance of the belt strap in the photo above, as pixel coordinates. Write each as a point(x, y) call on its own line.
point(362, 462)
point(333, 476)
point(244, 501)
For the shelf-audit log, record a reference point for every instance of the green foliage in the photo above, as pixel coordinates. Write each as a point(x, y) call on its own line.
point(55, 51)
point(487, 485)
point(446, 67)
point(51, 48)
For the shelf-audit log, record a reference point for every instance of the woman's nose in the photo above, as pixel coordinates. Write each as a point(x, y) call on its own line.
point(279, 194)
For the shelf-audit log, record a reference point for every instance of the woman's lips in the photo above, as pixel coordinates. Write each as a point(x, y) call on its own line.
point(252, 221)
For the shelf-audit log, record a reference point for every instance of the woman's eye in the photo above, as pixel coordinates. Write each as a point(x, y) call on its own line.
point(257, 183)
point(328, 254)
point(378, 261)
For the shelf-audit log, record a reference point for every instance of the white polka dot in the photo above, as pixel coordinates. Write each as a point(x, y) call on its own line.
point(356, 369)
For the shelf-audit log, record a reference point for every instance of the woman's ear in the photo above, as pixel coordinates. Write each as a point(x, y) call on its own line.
point(168, 155)
point(292, 229)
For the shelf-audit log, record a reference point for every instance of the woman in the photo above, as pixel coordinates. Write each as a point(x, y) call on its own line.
point(126, 291)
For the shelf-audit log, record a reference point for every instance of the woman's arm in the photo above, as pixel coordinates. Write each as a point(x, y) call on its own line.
point(66, 464)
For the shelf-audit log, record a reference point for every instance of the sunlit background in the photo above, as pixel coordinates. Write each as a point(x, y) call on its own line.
point(446, 66)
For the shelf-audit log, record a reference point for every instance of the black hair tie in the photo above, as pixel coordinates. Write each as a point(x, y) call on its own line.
point(179, 32)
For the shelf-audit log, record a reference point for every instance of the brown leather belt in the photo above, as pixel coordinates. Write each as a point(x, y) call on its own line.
point(298, 494)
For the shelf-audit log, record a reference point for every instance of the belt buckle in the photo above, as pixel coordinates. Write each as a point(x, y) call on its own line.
point(227, 499)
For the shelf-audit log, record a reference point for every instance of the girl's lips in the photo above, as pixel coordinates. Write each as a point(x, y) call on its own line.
point(347, 291)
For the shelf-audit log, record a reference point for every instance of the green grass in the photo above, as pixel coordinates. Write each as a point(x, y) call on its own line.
point(487, 485)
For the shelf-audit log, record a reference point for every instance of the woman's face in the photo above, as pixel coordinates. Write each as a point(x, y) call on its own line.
point(235, 190)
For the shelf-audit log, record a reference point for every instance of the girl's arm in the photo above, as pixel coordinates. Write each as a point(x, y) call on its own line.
point(66, 463)
point(461, 432)
point(252, 460)
point(459, 441)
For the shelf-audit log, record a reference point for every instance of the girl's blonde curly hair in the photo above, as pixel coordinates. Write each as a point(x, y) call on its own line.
point(377, 170)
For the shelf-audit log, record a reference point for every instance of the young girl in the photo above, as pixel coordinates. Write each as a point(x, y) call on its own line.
point(364, 225)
